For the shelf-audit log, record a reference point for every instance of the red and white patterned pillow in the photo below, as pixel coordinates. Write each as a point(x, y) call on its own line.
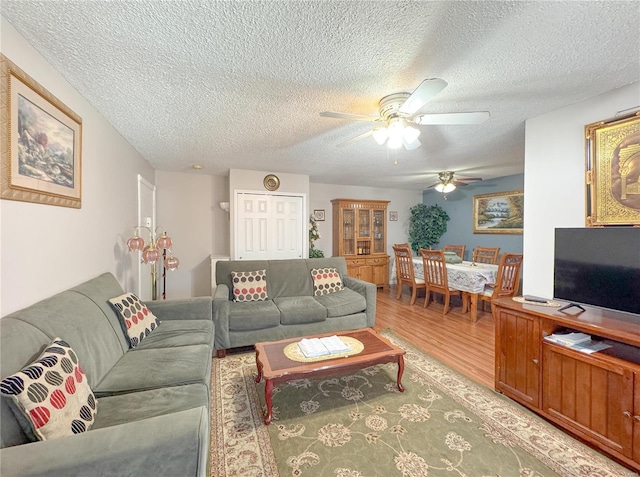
point(249, 286)
point(52, 393)
point(325, 281)
point(137, 318)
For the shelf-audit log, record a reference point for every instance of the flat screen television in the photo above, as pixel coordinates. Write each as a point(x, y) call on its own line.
point(598, 267)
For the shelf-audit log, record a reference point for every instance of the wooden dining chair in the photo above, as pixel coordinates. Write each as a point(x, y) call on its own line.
point(486, 255)
point(458, 249)
point(404, 271)
point(435, 277)
point(507, 279)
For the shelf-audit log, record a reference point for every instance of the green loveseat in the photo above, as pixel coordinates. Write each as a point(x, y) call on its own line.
point(152, 401)
point(291, 309)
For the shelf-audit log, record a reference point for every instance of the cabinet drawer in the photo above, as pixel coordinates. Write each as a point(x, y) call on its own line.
point(353, 262)
point(377, 261)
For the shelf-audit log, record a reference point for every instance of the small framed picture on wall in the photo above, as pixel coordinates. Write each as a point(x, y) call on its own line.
point(318, 214)
point(393, 215)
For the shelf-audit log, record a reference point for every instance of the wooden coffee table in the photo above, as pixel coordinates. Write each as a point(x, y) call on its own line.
point(276, 368)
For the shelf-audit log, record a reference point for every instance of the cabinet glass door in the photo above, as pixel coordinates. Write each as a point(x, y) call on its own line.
point(378, 231)
point(348, 231)
point(364, 224)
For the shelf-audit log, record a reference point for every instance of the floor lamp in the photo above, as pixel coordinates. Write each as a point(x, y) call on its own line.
point(157, 250)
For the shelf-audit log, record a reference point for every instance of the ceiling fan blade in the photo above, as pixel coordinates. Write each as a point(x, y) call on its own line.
point(423, 93)
point(469, 178)
point(353, 117)
point(475, 117)
point(355, 139)
point(410, 146)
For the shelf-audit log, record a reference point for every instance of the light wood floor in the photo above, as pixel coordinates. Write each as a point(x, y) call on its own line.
point(452, 338)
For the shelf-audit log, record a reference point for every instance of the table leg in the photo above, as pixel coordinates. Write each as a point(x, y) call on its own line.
point(259, 366)
point(474, 307)
point(268, 390)
point(400, 371)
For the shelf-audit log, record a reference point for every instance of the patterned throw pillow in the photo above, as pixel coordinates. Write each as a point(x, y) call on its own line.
point(325, 281)
point(249, 286)
point(52, 393)
point(138, 319)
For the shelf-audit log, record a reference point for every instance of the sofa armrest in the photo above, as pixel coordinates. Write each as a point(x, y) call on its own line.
point(198, 308)
point(368, 291)
point(168, 445)
point(221, 306)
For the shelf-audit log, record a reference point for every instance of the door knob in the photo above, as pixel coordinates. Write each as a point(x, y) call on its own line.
point(535, 361)
point(637, 418)
point(627, 413)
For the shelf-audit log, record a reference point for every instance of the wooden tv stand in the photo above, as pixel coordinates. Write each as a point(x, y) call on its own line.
point(595, 397)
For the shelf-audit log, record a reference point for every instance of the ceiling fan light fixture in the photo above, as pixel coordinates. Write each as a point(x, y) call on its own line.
point(410, 134)
point(380, 135)
point(394, 142)
point(445, 188)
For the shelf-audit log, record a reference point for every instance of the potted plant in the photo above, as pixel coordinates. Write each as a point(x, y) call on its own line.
point(314, 235)
point(426, 225)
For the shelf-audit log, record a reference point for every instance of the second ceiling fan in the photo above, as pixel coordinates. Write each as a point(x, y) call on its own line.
point(399, 110)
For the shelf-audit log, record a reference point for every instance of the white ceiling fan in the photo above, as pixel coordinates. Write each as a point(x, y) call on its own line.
point(448, 183)
point(397, 111)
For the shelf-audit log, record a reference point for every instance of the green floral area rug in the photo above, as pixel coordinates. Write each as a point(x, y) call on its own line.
point(360, 425)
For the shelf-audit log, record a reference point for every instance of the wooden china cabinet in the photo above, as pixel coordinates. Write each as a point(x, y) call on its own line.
point(360, 236)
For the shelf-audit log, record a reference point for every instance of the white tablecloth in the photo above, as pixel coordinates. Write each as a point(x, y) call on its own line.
point(462, 276)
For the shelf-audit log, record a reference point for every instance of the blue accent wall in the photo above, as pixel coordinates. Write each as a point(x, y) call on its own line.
point(459, 206)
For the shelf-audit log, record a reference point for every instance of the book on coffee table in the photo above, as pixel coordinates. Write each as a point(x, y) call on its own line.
point(314, 347)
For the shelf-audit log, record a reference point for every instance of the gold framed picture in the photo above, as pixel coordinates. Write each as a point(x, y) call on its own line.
point(41, 143)
point(613, 171)
point(498, 213)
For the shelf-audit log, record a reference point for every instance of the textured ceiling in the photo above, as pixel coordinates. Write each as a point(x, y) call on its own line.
point(240, 84)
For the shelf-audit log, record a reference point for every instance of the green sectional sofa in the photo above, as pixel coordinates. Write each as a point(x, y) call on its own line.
point(291, 308)
point(153, 401)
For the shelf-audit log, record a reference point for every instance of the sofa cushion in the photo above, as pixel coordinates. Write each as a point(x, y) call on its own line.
point(255, 315)
point(179, 333)
point(52, 394)
point(131, 407)
point(138, 320)
point(325, 281)
point(140, 370)
point(249, 286)
point(297, 310)
point(344, 302)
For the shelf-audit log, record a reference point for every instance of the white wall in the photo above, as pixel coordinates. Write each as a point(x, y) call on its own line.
point(554, 184)
point(185, 206)
point(400, 201)
point(46, 249)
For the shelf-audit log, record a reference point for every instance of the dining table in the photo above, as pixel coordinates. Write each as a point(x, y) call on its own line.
point(468, 277)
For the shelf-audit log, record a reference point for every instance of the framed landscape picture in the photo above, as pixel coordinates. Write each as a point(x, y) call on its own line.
point(613, 171)
point(498, 213)
point(41, 143)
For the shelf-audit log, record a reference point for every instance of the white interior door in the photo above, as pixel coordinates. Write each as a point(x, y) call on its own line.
point(268, 226)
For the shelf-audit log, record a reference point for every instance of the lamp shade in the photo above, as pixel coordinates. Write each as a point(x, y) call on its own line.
point(135, 243)
point(171, 262)
point(164, 241)
point(150, 254)
point(410, 134)
point(445, 188)
point(394, 142)
point(380, 135)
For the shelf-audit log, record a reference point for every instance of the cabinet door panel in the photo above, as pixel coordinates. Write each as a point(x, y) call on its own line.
point(517, 361)
point(589, 396)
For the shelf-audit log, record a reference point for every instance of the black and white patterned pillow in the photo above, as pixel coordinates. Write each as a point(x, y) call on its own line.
point(51, 396)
